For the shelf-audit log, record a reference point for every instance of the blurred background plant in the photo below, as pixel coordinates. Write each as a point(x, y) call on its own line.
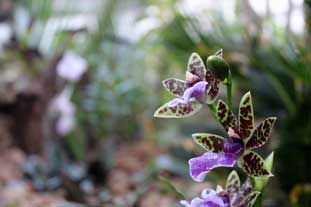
point(113, 154)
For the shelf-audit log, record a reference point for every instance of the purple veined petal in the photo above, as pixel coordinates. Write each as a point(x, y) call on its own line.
point(198, 91)
point(200, 166)
point(196, 202)
point(191, 79)
point(213, 198)
point(185, 203)
point(233, 147)
point(177, 101)
point(211, 201)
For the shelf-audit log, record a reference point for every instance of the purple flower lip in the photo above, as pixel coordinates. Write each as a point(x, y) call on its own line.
point(192, 79)
point(197, 91)
point(200, 166)
point(209, 199)
point(234, 195)
point(233, 147)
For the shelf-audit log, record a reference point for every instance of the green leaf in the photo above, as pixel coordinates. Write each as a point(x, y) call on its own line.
point(269, 161)
point(225, 116)
point(246, 116)
point(179, 111)
point(254, 165)
point(169, 187)
point(209, 142)
point(196, 66)
point(233, 184)
point(175, 86)
point(260, 135)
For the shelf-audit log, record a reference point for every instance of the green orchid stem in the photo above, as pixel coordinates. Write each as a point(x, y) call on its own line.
point(229, 89)
point(258, 202)
point(213, 109)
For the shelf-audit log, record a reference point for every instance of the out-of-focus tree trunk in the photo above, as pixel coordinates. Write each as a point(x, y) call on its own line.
point(29, 108)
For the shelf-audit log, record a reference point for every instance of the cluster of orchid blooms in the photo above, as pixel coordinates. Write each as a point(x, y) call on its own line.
point(202, 86)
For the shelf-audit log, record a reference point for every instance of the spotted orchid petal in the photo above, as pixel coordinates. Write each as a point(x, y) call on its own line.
point(254, 165)
point(200, 166)
point(213, 92)
point(246, 116)
point(245, 190)
point(249, 200)
point(233, 185)
point(210, 142)
point(175, 86)
point(260, 135)
point(196, 67)
point(177, 111)
point(225, 116)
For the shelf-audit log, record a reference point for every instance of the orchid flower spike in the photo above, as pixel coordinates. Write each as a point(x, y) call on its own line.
point(200, 87)
point(234, 195)
point(243, 137)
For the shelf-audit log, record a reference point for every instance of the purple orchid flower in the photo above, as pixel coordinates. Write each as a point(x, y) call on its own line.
point(237, 148)
point(209, 198)
point(200, 87)
point(233, 195)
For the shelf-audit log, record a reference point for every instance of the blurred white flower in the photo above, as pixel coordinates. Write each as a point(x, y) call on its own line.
point(66, 110)
point(6, 33)
point(71, 67)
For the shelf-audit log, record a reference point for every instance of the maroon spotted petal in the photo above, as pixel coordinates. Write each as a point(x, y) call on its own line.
point(245, 190)
point(253, 165)
point(233, 185)
point(260, 135)
point(175, 86)
point(196, 66)
point(249, 200)
point(225, 116)
point(214, 91)
point(177, 111)
point(210, 142)
point(246, 116)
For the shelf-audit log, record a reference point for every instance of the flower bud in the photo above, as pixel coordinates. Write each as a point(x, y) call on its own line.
point(218, 66)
